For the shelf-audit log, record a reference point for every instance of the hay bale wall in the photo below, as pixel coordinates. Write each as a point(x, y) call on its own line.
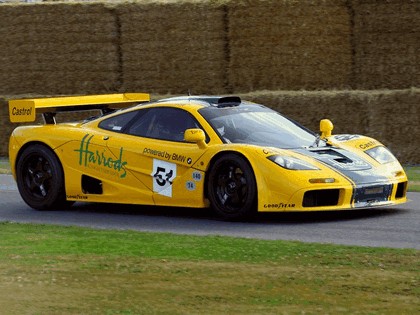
point(173, 47)
point(386, 43)
point(226, 47)
point(58, 49)
point(289, 45)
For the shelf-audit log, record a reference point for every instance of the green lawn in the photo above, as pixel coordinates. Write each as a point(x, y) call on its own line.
point(4, 166)
point(69, 270)
point(413, 173)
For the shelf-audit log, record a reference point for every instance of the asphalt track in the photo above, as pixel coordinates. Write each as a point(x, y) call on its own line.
point(396, 227)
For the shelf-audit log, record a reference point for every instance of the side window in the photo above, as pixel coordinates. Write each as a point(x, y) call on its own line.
point(117, 123)
point(143, 124)
point(163, 123)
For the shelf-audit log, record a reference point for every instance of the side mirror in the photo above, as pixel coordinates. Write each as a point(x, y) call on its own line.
point(196, 136)
point(326, 127)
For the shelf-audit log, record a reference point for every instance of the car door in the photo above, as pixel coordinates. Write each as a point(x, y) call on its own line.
point(159, 158)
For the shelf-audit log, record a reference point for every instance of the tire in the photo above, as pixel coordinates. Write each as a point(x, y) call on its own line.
point(40, 178)
point(231, 187)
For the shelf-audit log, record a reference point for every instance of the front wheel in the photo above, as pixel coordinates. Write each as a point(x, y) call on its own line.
point(232, 189)
point(40, 178)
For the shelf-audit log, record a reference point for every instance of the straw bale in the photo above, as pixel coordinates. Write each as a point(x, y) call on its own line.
point(289, 45)
point(396, 122)
point(173, 47)
point(5, 127)
point(387, 44)
point(58, 49)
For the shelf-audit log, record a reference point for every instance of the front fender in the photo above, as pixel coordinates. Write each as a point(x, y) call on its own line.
point(354, 143)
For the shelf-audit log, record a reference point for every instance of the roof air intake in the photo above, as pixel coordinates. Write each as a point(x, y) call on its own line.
point(229, 101)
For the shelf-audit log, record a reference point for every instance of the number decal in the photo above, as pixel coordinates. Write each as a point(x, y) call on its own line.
point(190, 185)
point(163, 174)
point(197, 176)
point(162, 177)
point(346, 137)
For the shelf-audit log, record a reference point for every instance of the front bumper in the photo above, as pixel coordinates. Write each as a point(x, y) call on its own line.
point(342, 198)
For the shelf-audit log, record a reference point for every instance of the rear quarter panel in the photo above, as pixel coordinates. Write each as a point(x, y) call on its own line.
point(66, 140)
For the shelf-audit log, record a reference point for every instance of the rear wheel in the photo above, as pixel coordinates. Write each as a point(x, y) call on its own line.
point(232, 189)
point(40, 178)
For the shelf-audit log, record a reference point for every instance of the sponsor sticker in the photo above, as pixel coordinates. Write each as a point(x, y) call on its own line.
point(21, 111)
point(100, 160)
point(163, 174)
point(368, 145)
point(167, 155)
point(280, 205)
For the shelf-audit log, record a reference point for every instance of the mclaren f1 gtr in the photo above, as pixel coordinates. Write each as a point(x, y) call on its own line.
point(235, 156)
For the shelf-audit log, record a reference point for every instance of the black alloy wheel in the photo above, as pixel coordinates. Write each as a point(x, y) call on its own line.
point(40, 178)
point(232, 188)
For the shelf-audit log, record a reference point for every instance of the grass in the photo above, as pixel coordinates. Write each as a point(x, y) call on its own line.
point(69, 270)
point(4, 166)
point(413, 173)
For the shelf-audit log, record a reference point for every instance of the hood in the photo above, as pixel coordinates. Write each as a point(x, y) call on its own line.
point(346, 163)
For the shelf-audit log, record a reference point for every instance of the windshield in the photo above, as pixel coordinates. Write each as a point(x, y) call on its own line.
point(255, 124)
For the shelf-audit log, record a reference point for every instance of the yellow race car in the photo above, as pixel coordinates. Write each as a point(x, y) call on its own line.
point(196, 151)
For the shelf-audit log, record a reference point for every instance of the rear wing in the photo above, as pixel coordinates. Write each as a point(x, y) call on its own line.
point(25, 110)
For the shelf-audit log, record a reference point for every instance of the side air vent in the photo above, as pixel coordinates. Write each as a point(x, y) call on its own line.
point(401, 190)
point(91, 185)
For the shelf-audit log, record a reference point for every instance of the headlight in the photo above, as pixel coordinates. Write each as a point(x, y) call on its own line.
point(292, 163)
point(381, 154)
